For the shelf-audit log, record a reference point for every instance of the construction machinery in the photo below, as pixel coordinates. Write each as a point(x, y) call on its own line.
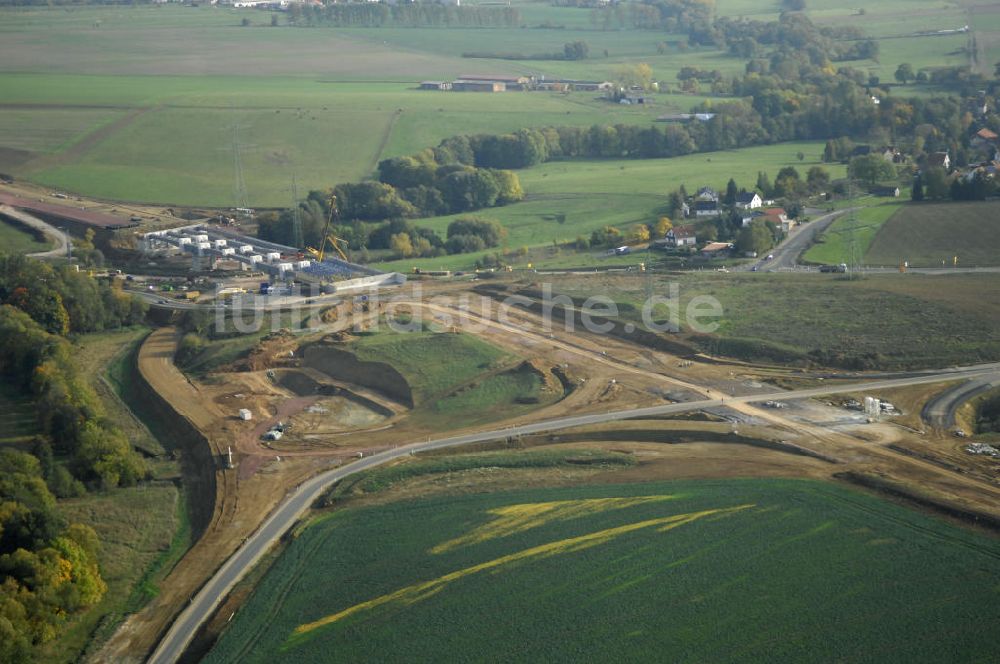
point(329, 238)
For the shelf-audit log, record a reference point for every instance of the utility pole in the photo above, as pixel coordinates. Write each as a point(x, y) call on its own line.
point(297, 240)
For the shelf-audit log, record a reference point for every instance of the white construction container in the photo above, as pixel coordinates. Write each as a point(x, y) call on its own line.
point(219, 244)
point(273, 257)
point(203, 246)
point(228, 251)
point(256, 258)
point(301, 265)
point(201, 238)
point(181, 241)
point(245, 414)
point(246, 249)
point(286, 267)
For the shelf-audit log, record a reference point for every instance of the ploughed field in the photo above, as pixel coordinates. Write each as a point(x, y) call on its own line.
point(695, 570)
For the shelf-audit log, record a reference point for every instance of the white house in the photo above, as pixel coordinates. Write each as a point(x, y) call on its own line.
point(748, 200)
point(681, 236)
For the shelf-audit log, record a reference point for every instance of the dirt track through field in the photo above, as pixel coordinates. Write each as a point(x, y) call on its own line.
point(87, 143)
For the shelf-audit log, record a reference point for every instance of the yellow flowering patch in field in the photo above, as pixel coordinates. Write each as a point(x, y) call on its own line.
point(513, 519)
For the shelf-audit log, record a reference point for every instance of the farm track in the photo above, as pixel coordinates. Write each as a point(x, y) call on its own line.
point(87, 143)
point(386, 135)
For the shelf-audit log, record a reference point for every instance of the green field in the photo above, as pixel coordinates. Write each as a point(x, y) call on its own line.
point(139, 103)
point(848, 238)
point(935, 234)
point(588, 195)
point(747, 570)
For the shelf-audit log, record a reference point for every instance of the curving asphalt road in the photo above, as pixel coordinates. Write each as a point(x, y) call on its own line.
point(940, 411)
point(204, 603)
point(54, 234)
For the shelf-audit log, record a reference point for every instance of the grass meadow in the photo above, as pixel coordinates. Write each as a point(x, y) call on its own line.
point(758, 570)
point(572, 198)
point(848, 238)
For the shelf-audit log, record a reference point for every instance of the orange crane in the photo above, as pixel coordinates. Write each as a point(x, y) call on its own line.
point(328, 237)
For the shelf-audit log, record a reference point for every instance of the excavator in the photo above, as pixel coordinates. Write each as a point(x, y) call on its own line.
point(329, 238)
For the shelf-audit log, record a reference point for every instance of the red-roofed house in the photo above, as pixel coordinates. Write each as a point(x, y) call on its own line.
point(779, 218)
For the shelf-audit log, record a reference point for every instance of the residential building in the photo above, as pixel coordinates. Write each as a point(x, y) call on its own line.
point(748, 200)
point(939, 159)
point(681, 236)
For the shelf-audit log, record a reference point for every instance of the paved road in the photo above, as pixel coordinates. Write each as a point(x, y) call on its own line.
point(786, 255)
point(295, 505)
point(940, 411)
point(51, 232)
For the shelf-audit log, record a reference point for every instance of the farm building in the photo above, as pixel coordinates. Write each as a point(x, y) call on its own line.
point(716, 249)
point(479, 86)
point(509, 82)
point(435, 85)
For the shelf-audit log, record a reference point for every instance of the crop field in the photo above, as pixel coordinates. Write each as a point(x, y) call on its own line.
point(693, 571)
point(935, 234)
point(848, 238)
point(900, 321)
point(568, 199)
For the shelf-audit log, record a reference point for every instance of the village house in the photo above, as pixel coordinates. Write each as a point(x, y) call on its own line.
point(779, 218)
point(681, 236)
point(706, 203)
point(939, 159)
point(748, 200)
point(984, 139)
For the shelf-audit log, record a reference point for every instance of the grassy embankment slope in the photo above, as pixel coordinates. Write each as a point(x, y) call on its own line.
point(16, 240)
point(457, 379)
point(626, 572)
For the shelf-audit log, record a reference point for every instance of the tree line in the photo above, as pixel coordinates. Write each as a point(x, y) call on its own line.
point(48, 568)
point(368, 214)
